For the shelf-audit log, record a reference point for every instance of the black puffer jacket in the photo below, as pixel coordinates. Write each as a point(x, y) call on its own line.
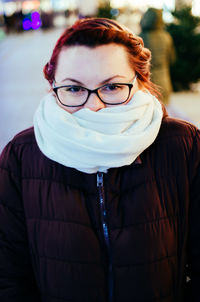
point(134, 237)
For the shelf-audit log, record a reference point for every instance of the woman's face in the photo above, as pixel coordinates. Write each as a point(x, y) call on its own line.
point(92, 68)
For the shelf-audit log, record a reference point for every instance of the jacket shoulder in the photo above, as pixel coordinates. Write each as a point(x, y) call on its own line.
point(22, 147)
point(172, 127)
point(179, 140)
point(24, 137)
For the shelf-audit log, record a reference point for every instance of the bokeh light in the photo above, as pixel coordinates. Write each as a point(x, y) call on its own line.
point(143, 4)
point(32, 22)
point(36, 22)
point(27, 24)
point(196, 7)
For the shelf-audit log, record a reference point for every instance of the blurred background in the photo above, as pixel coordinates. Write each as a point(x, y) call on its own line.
point(30, 28)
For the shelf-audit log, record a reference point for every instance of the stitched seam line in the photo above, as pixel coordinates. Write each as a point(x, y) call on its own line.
point(145, 263)
point(69, 261)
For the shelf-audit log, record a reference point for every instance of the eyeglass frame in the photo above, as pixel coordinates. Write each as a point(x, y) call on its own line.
point(90, 91)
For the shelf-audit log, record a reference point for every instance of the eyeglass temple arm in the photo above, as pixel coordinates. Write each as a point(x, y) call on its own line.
point(53, 84)
point(134, 79)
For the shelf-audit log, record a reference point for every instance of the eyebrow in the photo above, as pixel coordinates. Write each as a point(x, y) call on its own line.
point(101, 83)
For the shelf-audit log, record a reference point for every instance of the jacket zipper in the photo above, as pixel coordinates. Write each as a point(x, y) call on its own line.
point(103, 215)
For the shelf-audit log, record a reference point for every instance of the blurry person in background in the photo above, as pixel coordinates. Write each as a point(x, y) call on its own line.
point(47, 19)
point(99, 201)
point(160, 42)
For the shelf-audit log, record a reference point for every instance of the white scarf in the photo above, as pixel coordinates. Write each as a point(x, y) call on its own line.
point(96, 141)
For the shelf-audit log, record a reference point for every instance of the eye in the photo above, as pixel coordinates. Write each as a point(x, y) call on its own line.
point(73, 89)
point(112, 88)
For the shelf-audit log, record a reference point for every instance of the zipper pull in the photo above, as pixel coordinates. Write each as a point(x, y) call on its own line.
point(99, 179)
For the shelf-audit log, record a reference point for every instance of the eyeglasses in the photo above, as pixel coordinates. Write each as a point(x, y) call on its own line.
point(109, 94)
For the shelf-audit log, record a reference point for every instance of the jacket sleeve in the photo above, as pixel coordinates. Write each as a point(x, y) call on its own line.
point(194, 222)
point(17, 281)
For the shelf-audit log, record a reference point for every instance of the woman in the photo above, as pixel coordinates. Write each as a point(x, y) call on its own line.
point(100, 200)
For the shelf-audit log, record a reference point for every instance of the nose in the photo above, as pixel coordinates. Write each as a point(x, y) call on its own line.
point(94, 103)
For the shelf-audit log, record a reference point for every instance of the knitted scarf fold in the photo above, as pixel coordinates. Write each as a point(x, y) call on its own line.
point(96, 141)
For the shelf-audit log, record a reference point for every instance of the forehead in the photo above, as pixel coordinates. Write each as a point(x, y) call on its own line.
point(83, 62)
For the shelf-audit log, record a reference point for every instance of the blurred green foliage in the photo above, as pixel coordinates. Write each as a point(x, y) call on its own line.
point(185, 31)
point(105, 11)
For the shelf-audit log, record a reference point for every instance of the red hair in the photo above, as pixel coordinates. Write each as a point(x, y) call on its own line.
point(92, 32)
